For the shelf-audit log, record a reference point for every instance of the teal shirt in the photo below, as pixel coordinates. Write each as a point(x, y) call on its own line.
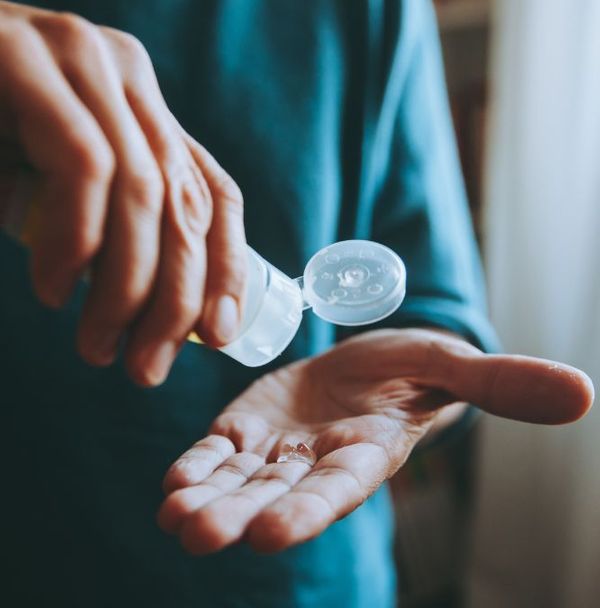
point(332, 117)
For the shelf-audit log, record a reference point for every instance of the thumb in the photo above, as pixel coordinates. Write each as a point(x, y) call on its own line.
point(517, 387)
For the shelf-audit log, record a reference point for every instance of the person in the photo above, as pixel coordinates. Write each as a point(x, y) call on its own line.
point(331, 119)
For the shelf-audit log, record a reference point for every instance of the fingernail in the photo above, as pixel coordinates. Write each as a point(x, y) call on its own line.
point(158, 363)
point(104, 348)
point(226, 319)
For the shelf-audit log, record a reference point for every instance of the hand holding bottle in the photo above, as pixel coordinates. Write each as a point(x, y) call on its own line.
point(124, 192)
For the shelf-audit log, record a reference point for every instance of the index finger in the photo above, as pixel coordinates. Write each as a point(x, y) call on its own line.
point(226, 252)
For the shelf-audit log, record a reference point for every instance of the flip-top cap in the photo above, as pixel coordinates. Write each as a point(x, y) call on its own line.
point(354, 282)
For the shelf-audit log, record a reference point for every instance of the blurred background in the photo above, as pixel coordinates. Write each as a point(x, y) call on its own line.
point(509, 514)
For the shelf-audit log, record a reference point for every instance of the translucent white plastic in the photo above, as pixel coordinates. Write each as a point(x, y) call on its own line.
point(354, 282)
point(348, 283)
point(272, 314)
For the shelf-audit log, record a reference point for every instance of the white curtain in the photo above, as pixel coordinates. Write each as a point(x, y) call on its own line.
point(537, 525)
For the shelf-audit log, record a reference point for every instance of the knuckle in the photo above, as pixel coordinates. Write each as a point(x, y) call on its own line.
point(14, 35)
point(129, 46)
point(71, 22)
point(91, 160)
point(197, 205)
point(230, 195)
point(192, 214)
point(164, 146)
point(69, 28)
point(189, 209)
point(145, 189)
point(132, 44)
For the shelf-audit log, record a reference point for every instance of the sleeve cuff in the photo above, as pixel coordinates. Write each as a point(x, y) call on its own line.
point(458, 317)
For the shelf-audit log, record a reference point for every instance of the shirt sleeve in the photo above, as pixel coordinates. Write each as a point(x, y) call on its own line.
point(416, 201)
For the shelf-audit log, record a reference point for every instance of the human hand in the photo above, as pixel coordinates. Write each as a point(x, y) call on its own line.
point(362, 407)
point(124, 191)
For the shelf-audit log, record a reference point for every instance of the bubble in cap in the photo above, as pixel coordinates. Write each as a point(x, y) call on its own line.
point(354, 282)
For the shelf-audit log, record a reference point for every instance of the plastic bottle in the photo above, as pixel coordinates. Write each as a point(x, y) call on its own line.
point(347, 283)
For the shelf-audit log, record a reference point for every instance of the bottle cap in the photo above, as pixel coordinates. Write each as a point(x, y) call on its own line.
point(354, 282)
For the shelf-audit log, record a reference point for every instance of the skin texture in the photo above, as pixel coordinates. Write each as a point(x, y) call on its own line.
point(362, 407)
point(124, 191)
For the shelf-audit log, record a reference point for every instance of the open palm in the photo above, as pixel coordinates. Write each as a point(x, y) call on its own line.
point(362, 407)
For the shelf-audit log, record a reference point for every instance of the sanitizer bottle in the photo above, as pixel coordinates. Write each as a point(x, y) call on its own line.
point(347, 283)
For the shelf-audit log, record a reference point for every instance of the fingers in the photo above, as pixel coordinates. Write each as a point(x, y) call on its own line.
point(227, 253)
point(339, 482)
point(63, 140)
point(511, 386)
point(176, 303)
point(224, 521)
point(177, 300)
point(124, 192)
point(124, 271)
point(274, 506)
point(521, 388)
point(249, 432)
point(231, 475)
